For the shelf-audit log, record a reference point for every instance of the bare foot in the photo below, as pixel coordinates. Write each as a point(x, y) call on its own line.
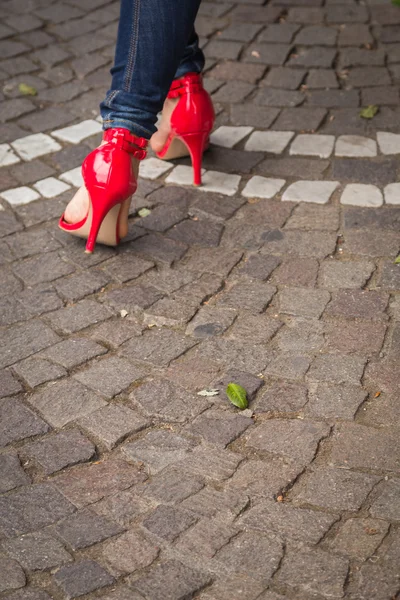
point(159, 138)
point(78, 207)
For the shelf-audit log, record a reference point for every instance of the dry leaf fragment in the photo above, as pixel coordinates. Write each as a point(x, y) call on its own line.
point(27, 90)
point(144, 212)
point(369, 112)
point(208, 393)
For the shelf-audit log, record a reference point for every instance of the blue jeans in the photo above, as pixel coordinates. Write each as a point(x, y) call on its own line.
point(156, 44)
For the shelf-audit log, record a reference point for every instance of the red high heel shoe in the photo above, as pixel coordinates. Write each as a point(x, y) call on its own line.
point(110, 181)
point(191, 122)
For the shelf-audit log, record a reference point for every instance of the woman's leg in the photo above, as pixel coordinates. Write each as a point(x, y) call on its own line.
point(152, 39)
point(156, 40)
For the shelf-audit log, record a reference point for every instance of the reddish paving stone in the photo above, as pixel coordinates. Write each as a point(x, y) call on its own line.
point(361, 304)
point(351, 448)
point(85, 485)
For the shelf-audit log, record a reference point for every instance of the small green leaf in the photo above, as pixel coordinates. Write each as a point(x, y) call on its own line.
point(208, 393)
point(396, 2)
point(237, 395)
point(27, 90)
point(397, 261)
point(144, 212)
point(369, 112)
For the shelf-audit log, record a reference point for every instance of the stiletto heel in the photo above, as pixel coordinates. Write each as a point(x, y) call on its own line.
point(191, 122)
point(110, 180)
point(196, 144)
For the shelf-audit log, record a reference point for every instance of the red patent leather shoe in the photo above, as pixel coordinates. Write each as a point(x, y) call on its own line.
point(191, 122)
point(110, 181)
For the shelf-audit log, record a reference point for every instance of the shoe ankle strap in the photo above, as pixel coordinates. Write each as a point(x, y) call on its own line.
point(191, 82)
point(127, 141)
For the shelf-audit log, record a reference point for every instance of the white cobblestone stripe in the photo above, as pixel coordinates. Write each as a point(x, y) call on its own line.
point(313, 145)
point(220, 183)
point(19, 195)
point(317, 192)
point(182, 175)
point(358, 194)
point(77, 133)
point(274, 142)
point(33, 146)
point(7, 156)
point(389, 143)
point(355, 146)
point(392, 193)
point(73, 176)
point(262, 187)
point(152, 168)
point(228, 137)
point(269, 141)
point(51, 187)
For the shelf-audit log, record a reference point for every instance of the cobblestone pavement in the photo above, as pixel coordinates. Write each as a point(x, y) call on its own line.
point(117, 480)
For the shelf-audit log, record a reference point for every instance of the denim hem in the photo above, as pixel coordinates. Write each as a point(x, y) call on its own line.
point(125, 124)
point(194, 67)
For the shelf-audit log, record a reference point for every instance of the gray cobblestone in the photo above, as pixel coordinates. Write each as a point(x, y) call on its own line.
point(239, 297)
point(272, 435)
point(209, 502)
point(335, 489)
point(301, 524)
point(218, 427)
point(12, 474)
point(8, 384)
point(303, 302)
point(206, 537)
point(73, 352)
point(313, 570)
point(36, 371)
point(79, 285)
point(113, 423)
point(12, 576)
point(87, 484)
point(85, 528)
point(51, 402)
point(54, 453)
point(129, 553)
point(363, 304)
point(359, 538)
point(386, 505)
point(264, 480)
point(169, 522)
point(45, 506)
point(159, 449)
point(157, 347)
point(18, 422)
point(79, 316)
point(169, 580)
point(350, 445)
point(251, 552)
point(37, 551)
point(334, 401)
point(282, 397)
point(173, 486)
point(164, 400)
point(109, 376)
point(81, 578)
